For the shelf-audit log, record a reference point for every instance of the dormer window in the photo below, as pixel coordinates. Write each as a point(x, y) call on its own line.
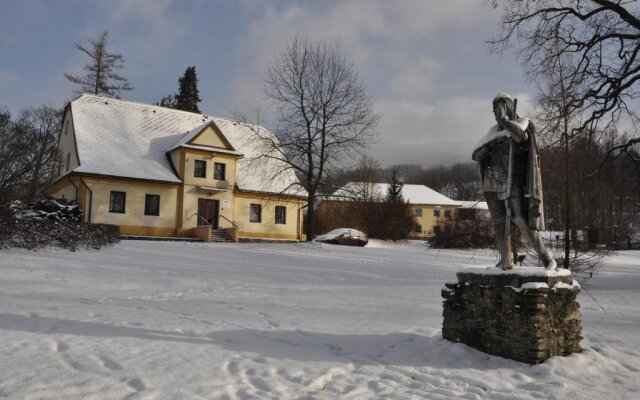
point(219, 171)
point(200, 169)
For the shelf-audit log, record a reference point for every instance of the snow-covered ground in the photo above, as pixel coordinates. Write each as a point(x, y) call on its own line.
point(164, 320)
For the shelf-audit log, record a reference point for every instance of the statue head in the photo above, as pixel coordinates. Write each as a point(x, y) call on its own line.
point(503, 105)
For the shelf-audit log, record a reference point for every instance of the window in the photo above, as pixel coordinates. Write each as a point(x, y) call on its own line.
point(447, 213)
point(281, 215)
point(418, 212)
point(200, 169)
point(66, 127)
point(68, 161)
point(219, 171)
point(255, 213)
point(151, 204)
point(417, 228)
point(436, 212)
point(117, 202)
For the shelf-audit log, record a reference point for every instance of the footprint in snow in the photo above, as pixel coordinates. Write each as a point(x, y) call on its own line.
point(110, 364)
point(134, 383)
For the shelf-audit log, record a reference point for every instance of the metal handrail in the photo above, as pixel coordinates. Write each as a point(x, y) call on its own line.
point(231, 222)
point(199, 216)
point(219, 215)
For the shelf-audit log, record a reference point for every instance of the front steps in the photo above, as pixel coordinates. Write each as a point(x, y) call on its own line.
point(220, 236)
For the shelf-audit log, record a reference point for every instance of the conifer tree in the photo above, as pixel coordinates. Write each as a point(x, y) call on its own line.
point(168, 101)
point(188, 96)
point(394, 190)
point(101, 76)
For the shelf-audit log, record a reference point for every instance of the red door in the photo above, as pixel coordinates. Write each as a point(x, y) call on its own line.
point(208, 211)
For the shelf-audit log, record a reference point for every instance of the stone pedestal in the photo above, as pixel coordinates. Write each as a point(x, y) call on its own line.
point(525, 314)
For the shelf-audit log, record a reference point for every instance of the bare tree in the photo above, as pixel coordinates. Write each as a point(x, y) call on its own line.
point(13, 150)
point(28, 152)
point(41, 127)
point(102, 76)
point(323, 113)
point(357, 183)
point(603, 38)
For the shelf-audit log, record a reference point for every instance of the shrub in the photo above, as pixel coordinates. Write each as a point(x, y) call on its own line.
point(466, 234)
point(55, 223)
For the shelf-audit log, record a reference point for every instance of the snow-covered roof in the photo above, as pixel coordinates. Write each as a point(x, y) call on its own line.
point(413, 194)
point(128, 139)
point(478, 205)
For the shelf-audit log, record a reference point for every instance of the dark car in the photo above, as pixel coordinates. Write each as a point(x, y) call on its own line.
point(344, 236)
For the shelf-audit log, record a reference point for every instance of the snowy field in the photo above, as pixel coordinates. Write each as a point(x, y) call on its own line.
point(164, 320)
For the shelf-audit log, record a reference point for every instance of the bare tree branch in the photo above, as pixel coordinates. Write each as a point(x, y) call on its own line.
point(101, 76)
point(323, 114)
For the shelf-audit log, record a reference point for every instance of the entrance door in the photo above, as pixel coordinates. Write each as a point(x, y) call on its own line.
point(208, 210)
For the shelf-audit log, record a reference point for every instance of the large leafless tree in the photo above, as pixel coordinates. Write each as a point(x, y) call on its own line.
point(323, 114)
point(28, 152)
point(603, 39)
point(102, 75)
point(13, 167)
point(41, 126)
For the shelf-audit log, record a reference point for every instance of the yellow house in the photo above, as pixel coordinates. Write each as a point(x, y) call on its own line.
point(428, 206)
point(155, 171)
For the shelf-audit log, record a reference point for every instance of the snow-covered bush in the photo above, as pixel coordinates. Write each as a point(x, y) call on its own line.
point(49, 222)
point(54, 210)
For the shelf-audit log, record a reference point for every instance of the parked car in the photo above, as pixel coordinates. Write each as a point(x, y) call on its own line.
point(344, 236)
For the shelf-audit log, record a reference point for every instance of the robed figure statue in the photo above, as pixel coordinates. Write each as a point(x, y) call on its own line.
point(510, 172)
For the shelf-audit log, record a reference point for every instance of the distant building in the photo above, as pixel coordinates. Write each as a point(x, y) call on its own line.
point(155, 171)
point(429, 207)
point(473, 210)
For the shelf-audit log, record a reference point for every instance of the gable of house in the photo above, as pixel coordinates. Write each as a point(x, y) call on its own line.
point(211, 136)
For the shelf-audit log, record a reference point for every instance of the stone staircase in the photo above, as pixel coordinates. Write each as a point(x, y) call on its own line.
point(220, 235)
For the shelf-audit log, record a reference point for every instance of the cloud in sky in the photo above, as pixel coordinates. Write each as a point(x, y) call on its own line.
point(7, 78)
point(425, 61)
point(419, 58)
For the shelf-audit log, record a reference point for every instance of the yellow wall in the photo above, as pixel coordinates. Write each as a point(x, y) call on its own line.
point(63, 190)
point(67, 145)
point(267, 228)
point(191, 194)
point(175, 159)
point(428, 221)
point(192, 155)
point(209, 137)
point(233, 205)
point(134, 203)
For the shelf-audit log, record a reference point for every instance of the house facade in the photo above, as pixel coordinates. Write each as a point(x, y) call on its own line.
point(155, 171)
point(428, 206)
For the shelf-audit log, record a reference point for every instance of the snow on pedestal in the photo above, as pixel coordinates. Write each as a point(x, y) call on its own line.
point(526, 314)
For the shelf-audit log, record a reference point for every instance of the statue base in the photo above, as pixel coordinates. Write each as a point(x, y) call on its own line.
point(526, 314)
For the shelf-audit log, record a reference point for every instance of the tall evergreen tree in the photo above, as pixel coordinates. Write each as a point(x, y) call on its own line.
point(188, 95)
point(394, 190)
point(101, 76)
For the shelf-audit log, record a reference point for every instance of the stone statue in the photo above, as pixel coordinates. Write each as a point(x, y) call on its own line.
point(510, 172)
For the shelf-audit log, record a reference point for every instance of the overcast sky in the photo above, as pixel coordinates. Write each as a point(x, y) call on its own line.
point(426, 61)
